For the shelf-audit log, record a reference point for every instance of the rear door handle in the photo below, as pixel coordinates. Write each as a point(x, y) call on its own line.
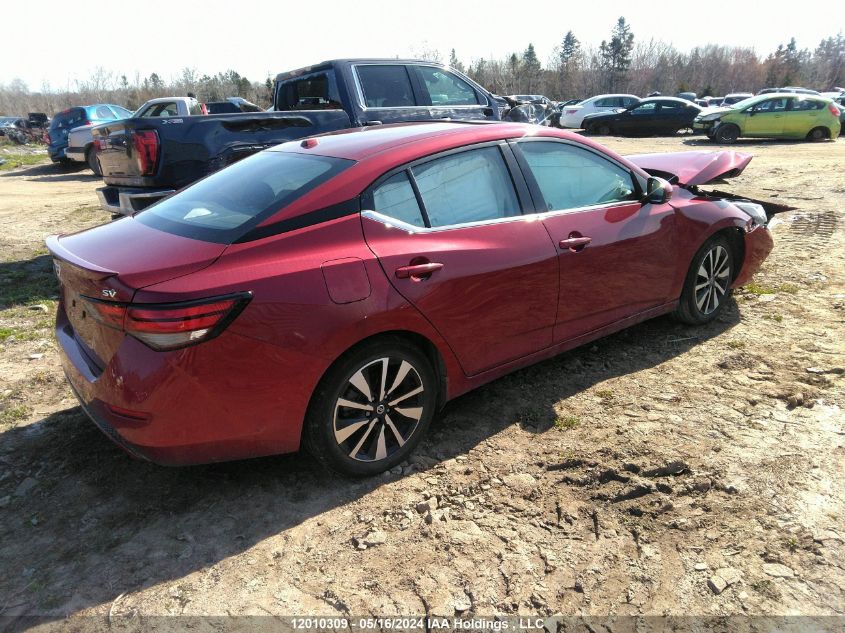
point(418, 271)
point(575, 243)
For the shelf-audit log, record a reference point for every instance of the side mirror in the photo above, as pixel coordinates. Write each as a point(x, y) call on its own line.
point(658, 191)
point(750, 111)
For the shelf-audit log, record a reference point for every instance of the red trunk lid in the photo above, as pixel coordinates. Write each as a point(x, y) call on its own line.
point(110, 263)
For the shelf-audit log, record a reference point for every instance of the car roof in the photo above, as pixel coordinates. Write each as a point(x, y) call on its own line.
point(360, 144)
point(675, 99)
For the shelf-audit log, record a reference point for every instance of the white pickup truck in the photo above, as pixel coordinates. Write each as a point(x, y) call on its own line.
point(81, 149)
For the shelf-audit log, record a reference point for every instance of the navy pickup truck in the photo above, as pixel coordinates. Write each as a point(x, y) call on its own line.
point(146, 159)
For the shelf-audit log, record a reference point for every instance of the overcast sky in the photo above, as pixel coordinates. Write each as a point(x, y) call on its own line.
point(65, 40)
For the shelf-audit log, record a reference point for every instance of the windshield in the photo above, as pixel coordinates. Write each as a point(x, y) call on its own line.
point(226, 205)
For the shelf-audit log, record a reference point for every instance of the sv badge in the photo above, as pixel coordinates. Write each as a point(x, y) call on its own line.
point(107, 292)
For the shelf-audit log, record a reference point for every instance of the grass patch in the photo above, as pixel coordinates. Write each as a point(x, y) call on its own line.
point(14, 414)
point(777, 318)
point(17, 157)
point(565, 422)
point(756, 288)
point(736, 344)
point(5, 333)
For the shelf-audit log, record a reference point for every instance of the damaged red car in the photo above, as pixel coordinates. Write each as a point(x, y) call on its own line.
point(335, 292)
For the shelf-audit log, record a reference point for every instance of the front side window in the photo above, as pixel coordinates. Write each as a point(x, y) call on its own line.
point(471, 186)
point(445, 89)
point(570, 177)
point(103, 113)
point(772, 105)
point(395, 198)
point(607, 103)
point(226, 205)
point(385, 86)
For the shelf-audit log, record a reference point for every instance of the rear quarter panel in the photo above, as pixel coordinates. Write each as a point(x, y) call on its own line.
point(293, 318)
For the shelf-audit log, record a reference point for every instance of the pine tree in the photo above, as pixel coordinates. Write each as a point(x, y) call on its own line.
point(615, 56)
point(570, 48)
point(531, 68)
point(454, 62)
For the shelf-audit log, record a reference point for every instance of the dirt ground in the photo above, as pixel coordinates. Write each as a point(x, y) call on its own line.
point(664, 470)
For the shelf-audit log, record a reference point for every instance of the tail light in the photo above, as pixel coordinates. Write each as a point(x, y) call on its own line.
point(169, 326)
point(203, 108)
point(146, 151)
point(833, 109)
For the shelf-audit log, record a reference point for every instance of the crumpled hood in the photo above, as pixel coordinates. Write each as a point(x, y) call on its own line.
point(693, 168)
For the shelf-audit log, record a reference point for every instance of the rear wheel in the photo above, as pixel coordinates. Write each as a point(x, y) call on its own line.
point(818, 134)
point(708, 283)
point(371, 408)
point(603, 129)
point(93, 163)
point(727, 133)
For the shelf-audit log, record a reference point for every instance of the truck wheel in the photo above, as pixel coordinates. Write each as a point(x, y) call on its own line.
point(727, 133)
point(93, 163)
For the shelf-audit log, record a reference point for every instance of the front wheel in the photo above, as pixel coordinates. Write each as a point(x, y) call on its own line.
point(371, 408)
point(708, 283)
point(726, 133)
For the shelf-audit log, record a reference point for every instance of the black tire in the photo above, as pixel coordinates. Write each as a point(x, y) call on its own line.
point(726, 133)
point(603, 129)
point(93, 163)
point(703, 297)
point(818, 134)
point(379, 423)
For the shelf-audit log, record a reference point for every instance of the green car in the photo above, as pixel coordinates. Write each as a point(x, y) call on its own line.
point(782, 115)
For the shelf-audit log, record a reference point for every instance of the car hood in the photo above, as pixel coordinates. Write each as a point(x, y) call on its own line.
point(693, 168)
point(715, 110)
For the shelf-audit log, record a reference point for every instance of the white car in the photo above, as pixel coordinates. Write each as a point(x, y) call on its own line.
point(573, 116)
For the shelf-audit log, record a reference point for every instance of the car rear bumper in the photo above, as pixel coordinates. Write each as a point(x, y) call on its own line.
point(76, 154)
point(196, 405)
point(758, 245)
point(127, 200)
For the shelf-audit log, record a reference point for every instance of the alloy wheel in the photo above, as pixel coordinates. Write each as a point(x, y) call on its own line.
point(379, 409)
point(712, 280)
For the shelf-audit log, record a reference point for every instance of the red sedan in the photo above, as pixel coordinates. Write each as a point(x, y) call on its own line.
point(335, 292)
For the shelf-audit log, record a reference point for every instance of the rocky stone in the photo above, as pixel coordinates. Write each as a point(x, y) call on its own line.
point(717, 584)
point(700, 567)
point(461, 603)
point(4, 501)
point(675, 467)
point(777, 570)
point(25, 486)
point(36, 356)
point(376, 537)
point(39, 307)
point(520, 482)
point(429, 505)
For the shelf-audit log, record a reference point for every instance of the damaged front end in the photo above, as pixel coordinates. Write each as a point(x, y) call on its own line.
point(690, 170)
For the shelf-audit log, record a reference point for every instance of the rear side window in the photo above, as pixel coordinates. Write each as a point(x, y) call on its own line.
point(395, 198)
point(570, 177)
point(606, 103)
point(104, 113)
point(69, 119)
point(804, 105)
point(471, 186)
point(385, 86)
point(311, 92)
point(226, 205)
point(445, 89)
point(628, 101)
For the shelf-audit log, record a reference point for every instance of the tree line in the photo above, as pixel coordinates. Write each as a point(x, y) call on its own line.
point(620, 63)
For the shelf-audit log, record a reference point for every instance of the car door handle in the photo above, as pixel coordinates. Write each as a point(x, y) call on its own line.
point(575, 244)
point(418, 271)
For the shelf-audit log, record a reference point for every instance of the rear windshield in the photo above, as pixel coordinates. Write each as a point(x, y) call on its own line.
point(226, 205)
point(68, 119)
